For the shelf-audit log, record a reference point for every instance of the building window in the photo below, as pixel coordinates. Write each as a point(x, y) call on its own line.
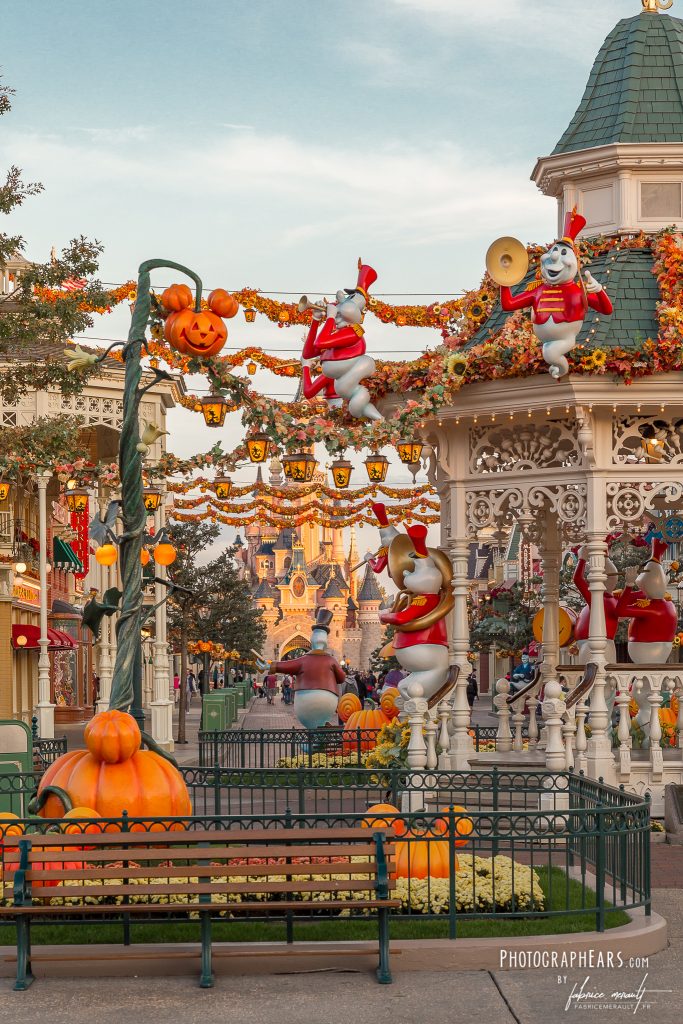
point(660, 200)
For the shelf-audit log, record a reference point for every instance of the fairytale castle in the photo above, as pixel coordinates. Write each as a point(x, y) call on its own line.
point(294, 572)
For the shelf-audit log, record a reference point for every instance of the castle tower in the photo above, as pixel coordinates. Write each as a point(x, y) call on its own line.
point(620, 161)
point(369, 603)
point(338, 545)
point(352, 560)
point(264, 598)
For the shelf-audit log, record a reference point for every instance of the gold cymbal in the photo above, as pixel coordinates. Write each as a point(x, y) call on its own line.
point(507, 261)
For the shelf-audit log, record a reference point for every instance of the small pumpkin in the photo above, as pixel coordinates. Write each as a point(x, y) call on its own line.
point(176, 297)
point(385, 816)
point(463, 825)
point(387, 702)
point(112, 736)
point(369, 720)
point(348, 703)
point(202, 334)
point(223, 303)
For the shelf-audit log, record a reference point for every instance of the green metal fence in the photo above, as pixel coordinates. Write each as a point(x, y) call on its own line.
point(482, 845)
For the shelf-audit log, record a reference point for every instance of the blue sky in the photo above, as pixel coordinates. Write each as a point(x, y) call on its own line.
point(270, 143)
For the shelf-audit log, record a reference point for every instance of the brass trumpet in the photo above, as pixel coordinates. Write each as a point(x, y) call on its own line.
point(305, 305)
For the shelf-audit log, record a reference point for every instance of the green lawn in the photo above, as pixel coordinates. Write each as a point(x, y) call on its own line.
point(560, 893)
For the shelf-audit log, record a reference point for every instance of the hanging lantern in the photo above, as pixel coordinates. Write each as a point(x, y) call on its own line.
point(144, 557)
point(223, 487)
point(151, 499)
point(214, 408)
point(251, 367)
point(341, 472)
point(250, 315)
point(299, 467)
point(258, 446)
point(377, 466)
point(4, 491)
point(164, 554)
point(401, 320)
point(106, 554)
point(77, 499)
point(409, 452)
point(283, 316)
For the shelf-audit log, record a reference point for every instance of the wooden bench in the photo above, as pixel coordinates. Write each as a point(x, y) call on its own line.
point(198, 873)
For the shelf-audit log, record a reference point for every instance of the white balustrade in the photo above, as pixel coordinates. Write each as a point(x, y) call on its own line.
point(444, 715)
point(554, 709)
point(623, 701)
point(504, 736)
point(656, 755)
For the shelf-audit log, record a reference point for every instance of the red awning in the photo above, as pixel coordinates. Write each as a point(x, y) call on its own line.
point(25, 637)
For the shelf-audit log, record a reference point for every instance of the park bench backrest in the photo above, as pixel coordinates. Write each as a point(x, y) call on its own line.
point(200, 866)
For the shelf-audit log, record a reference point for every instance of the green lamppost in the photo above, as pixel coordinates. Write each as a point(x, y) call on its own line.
point(126, 690)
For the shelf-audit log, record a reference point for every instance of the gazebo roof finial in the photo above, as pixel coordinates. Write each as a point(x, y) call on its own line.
point(655, 6)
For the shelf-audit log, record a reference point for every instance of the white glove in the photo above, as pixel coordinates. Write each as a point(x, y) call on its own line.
point(592, 285)
point(630, 575)
point(583, 553)
point(331, 310)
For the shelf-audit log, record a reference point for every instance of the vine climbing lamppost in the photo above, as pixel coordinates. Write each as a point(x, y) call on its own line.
point(126, 686)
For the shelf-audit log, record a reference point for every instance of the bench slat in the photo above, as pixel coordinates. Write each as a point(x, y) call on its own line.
point(168, 889)
point(192, 853)
point(205, 871)
point(224, 836)
point(165, 908)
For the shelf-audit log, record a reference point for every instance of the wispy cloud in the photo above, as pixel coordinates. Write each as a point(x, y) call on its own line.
point(117, 136)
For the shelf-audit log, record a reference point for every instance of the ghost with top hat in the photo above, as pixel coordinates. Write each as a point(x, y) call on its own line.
point(317, 676)
point(558, 303)
point(340, 347)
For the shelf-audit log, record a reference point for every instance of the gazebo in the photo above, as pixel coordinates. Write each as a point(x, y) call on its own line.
point(600, 450)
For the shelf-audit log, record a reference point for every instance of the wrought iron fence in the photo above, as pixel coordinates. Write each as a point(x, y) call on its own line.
point(46, 751)
point(304, 748)
point(483, 844)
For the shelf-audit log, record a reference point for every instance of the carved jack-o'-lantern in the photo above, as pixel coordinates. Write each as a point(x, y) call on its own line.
point(197, 334)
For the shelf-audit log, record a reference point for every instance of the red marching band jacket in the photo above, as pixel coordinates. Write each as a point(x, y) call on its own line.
point(652, 620)
point(419, 606)
point(565, 303)
point(611, 602)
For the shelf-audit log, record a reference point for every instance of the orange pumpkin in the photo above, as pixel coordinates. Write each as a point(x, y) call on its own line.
point(421, 858)
point(178, 344)
point(387, 702)
point(348, 703)
point(384, 816)
point(177, 297)
point(140, 781)
point(370, 720)
point(223, 303)
point(77, 827)
point(463, 826)
point(201, 334)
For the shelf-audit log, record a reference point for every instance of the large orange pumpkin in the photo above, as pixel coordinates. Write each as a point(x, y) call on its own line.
point(223, 303)
point(348, 704)
point(141, 782)
point(382, 816)
point(201, 334)
point(176, 297)
point(370, 720)
point(387, 702)
point(421, 858)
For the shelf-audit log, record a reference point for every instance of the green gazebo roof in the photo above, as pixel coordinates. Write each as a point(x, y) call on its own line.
point(635, 90)
point(634, 292)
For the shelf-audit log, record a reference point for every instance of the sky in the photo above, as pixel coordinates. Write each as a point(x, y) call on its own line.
point(270, 143)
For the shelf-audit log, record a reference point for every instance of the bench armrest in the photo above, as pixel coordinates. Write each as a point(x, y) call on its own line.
point(22, 890)
point(382, 881)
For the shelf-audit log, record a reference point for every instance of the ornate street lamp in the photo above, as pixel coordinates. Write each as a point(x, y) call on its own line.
point(377, 466)
point(300, 467)
point(409, 452)
point(151, 498)
point(4, 491)
point(223, 487)
point(258, 446)
point(341, 473)
point(77, 499)
point(214, 409)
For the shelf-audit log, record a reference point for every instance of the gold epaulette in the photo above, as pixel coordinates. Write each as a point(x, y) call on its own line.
point(643, 602)
point(533, 285)
point(418, 601)
point(360, 331)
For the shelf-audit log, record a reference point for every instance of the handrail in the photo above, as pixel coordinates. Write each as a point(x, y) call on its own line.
point(582, 689)
point(514, 697)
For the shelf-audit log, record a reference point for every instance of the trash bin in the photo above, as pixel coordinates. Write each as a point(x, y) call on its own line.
point(214, 708)
point(230, 698)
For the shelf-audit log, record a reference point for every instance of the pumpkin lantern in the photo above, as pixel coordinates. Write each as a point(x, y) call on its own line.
point(113, 775)
point(196, 333)
point(387, 702)
point(369, 720)
point(223, 303)
point(348, 704)
point(176, 297)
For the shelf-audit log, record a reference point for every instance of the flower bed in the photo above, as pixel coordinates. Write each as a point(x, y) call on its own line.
point(322, 760)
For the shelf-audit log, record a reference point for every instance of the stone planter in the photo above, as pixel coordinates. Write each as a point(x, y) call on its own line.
point(657, 837)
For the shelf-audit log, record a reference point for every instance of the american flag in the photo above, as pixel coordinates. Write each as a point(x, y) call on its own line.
point(74, 284)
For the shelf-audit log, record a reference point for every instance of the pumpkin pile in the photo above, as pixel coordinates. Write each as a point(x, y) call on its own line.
point(355, 716)
point(113, 775)
point(421, 851)
point(191, 330)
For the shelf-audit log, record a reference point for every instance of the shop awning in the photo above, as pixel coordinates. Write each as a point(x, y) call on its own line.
point(64, 556)
point(25, 638)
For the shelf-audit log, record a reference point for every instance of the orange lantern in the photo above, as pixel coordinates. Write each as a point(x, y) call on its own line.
point(165, 554)
point(144, 557)
point(106, 554)
point(197, 334)
point(223, 303)
point(176, 297)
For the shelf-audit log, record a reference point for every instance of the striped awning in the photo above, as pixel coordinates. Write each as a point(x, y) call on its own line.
point(64, 557)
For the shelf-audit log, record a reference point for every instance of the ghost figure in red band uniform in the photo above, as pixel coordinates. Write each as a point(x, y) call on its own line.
point(652, 613)
point(610, 600)
point(340, 347)
point(559, 305)
point(423, 576)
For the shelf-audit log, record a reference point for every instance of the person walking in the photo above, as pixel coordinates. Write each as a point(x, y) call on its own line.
point(472, 689)
point(176, 688)
point(191, 687)
point(271, 687)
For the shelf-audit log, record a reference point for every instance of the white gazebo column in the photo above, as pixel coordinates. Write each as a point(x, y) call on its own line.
point(551, 554)
point(161, 705)
point(461, 742)
point(600, 760)
point(45, 710)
